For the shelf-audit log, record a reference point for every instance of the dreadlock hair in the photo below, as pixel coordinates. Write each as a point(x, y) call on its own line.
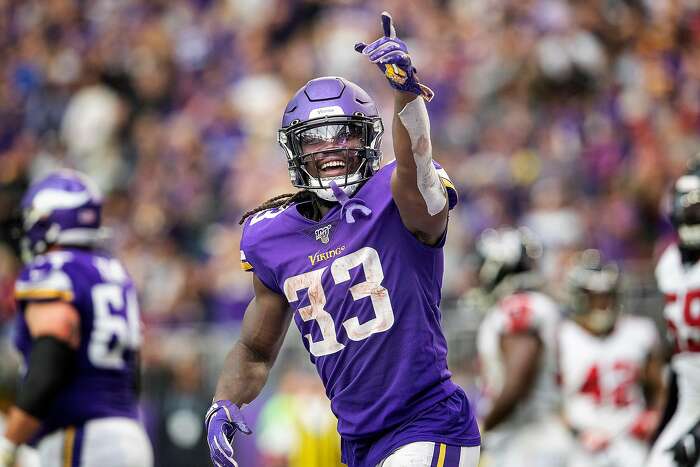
point(278, 202)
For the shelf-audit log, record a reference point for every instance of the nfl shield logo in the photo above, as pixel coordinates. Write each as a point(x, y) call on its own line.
point(323, 234)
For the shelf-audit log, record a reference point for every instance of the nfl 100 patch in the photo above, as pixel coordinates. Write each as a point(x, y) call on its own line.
point(322, 233)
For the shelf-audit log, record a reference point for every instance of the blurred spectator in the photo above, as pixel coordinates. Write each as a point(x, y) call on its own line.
point(176, 396)
point(569, 116)
point(296, 427)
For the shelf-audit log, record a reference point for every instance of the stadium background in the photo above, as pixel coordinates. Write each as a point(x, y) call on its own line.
point(570, 117)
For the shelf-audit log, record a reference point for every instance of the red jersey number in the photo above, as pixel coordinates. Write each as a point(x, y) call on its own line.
point(687, 338)
point(617, 389)
point(519, 314)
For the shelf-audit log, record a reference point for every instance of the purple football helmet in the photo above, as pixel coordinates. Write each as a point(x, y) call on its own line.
point(331, 132)
point(64, 208)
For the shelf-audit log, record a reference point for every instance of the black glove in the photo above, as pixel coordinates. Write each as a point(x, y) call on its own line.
point(686, 451)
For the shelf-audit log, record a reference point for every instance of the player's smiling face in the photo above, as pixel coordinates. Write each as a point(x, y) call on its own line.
point(332, 150)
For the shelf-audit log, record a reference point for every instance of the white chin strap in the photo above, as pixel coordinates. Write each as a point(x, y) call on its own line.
point(324, 191)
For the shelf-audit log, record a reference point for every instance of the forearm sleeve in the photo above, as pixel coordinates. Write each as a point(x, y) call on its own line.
point(51, 365)
point(414, 118)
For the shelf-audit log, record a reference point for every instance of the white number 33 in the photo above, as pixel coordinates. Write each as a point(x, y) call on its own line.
point(366, 257)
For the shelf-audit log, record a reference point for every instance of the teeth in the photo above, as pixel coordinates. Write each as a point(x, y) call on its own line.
point(332, 164)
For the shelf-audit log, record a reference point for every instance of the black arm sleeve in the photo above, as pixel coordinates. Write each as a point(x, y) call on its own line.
point(51, 365)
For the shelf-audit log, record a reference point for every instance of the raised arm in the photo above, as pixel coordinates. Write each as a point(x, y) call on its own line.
point(246, 369)
point(416, 186)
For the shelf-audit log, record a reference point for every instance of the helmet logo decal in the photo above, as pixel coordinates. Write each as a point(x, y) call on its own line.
point(49, 199)
point(87, 216)
point(326, 111)
point(322, 234)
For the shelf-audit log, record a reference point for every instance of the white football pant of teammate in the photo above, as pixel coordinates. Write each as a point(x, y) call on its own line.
point(622, 451)
point(106, 442)
point(427, 454)
point(542, 443)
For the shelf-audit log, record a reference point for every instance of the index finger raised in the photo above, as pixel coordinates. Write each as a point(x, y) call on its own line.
point(388, 25)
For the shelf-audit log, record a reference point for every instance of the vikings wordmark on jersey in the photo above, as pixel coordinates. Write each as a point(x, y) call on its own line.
point(366, 303)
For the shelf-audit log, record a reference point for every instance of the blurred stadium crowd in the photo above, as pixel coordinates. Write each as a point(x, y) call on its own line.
point(570, 117)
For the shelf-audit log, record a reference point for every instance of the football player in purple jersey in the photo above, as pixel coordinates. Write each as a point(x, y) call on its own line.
point(355, 259)
point(78, 330)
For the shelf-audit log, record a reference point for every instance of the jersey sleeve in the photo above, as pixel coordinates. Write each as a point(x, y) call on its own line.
point(452, 196)
point(43, 281)
point(669, 272)
point(252, 257)
point(520, 313)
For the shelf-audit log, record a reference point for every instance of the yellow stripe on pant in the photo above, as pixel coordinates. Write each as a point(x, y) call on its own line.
point(68, 443)
point(441, 456)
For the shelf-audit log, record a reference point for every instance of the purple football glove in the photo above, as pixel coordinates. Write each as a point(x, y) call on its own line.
point(390, 54)
point(223, 420)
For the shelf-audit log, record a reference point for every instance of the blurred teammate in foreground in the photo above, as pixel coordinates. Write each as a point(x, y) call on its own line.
point(357, 254)
point(610, 368)
point(678, 277)
point(516, 345)
point(78, 329)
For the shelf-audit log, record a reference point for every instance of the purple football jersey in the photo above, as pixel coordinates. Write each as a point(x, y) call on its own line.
point(98, 286)
point(366, 299)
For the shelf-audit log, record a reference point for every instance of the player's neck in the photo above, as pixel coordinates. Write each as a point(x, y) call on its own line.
point(316, 209)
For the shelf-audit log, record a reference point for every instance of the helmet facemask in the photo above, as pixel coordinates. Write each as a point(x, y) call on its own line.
point(507, 260)
point(594, 293)
point(340, 149)
point(686, 211)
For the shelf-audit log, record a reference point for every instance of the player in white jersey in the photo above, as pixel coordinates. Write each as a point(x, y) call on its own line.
point(678, 277)
point(517, 357)
point(610, 369)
